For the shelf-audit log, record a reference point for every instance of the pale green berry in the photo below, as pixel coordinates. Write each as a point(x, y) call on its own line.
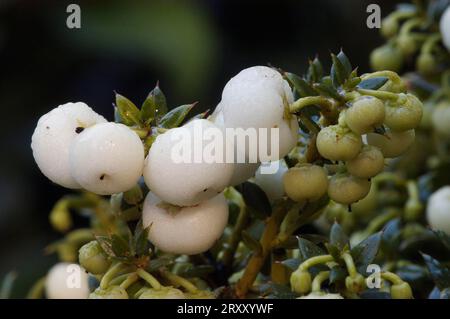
point(305, 182)
point(368, 163)
point(163, 293)
point(347, 189)
point(392, 144)
point(113, 292)
point(386, 57)
point(365, 114)
point(356, 283)
point(441, 118)
point(401, 291)
point(301, 281)
point(93, 259)
point(404, 116)
point(426, 63)
point(338, 143)
point(389, 26)
point(406, 44)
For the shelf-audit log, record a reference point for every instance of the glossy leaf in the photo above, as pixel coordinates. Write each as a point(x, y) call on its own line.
point(308, 249)
point(338, 237)
point(300, 85)
point(291, 263)
point(315, 70)
point(176, 116)
point(129, 113)
point(255, 199)
point(372, 83)
point(365, 252)
point(154, 106)
point(337, 273)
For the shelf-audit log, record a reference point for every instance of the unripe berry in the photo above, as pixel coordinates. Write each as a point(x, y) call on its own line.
point(107, 158)
point(365, 114)
point(185, 230)
point(404, 116)
point(257, 98)
point(445, 28)
point(301, 281)
point(93, 259)
point(53, 136)
point(66, 281)
point(438, 210)
point(401, 291)
point(186, 182)
point(389, 26)
point(321, 295)
point(337, 143)
point(346, 189)
point(406, 44)
point(163, 293)
point(305, 182)
point(113, 292)
point(368, 163)
point(441, 118)
point(271, 184)
point(425, 63)
point(392, 144)
point(386, 57)
point(356, 283)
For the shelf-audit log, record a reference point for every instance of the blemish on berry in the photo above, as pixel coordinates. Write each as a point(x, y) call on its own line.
point(79, 129)
point(205, 190)
point(47, 127)
point(102, 177)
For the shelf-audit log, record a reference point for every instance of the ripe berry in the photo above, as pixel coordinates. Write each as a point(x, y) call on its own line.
point(272, 184)
point(366, 113)
point(392, 144)
point(441, 118)
point(368, 163)
point(438, 210)
point(258, 98)
point(185, 230)
point(93, 259)
point(404, 116)
point(386, 57)
point(338, 143)
point(66, 281)
point(445, 28)
point(53, 136)
point(186, 183)
point(107, 158)
point(305, 182)
point(347, 189)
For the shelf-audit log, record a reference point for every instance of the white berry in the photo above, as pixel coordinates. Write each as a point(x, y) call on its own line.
point(107, 158)
point(445, 28)
point(438, 210)
point(67, 281)
point(242, 172)
point(321, 295)
point(392, 144)
point(185, 230)
point(259, 98)
point(53, 136)
point(441, 118)
point(269, 177)
point(186, 183)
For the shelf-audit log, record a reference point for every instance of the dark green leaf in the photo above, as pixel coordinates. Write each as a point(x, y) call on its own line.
point(159, 262)
point(364, 253)
point(445, 239)
point(333, 251)
point(251, 242)
point(338, 237)
point(315, 70)
point(176, 116)
point(119, 246)
point(327, 90)
point(337, 273)
point(291, 263)
point(129, 113)
point(308, 249)
point(339, 71)
point(255, 199)
point(372, 83)
point(412, 273)
point(141, 243)
point(439, 273)
point(154, 106)
point(375, 294)
point(196, 271)
point(300, 85)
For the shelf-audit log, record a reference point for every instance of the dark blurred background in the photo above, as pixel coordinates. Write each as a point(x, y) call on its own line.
point(191, 47)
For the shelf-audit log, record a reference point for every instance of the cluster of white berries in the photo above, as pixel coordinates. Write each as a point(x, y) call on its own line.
point(186, 209)
point(77, 148)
